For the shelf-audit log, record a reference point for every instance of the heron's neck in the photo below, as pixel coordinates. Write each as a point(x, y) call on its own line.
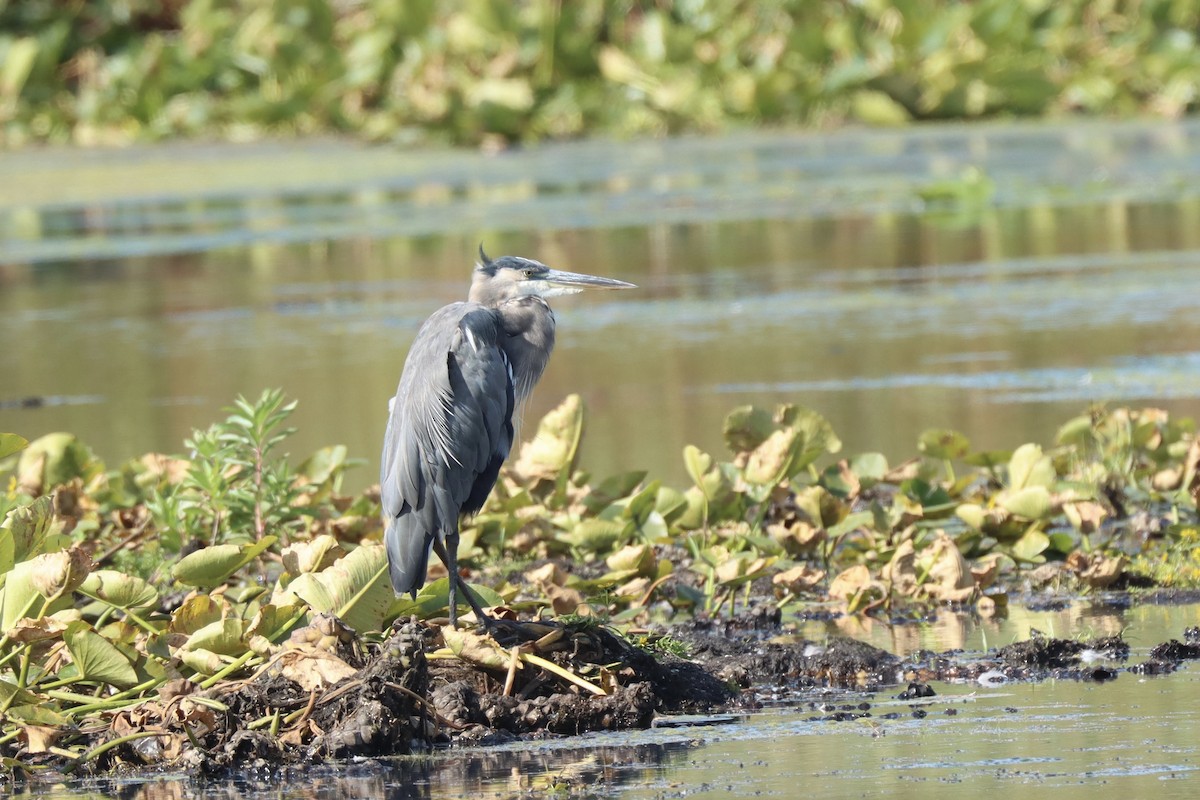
point(487, 293)
point(528, 325)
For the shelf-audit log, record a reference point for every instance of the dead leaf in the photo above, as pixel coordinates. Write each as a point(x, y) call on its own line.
point(986, 570)
point(1095, 569)
point(634, 588)
point(1087, 515)
point(313, 669)
point(801, 578)
point(312, 556)
point(1103, 571)
point(798, 538)
point(637, 557)
point(36, 630)
point(301, 734)
point(950, 579)
point(901, 571)
point(1166, 480)
point(476, 648)
point(56, 574)
point(903, 472)
point(548, 573)
point(738, 570)
point(178, 687)
point(31, 470)
point(184, 711)
point(326, 632)
point(173, 470)
point(40, 738)
point(850, 582)
point(562, 599)
point(1191, 473)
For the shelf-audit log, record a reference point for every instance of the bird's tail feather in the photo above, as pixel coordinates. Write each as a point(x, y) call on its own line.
point(408, 547)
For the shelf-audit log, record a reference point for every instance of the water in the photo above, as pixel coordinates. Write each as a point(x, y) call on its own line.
point(1133, 737)
point(141, 290)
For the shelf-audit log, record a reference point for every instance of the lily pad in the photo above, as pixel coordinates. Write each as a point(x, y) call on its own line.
point(816, 433)
point(195, 612)
point(28, 530)
point(96, 659)
point(55, 459)
point(211, 566)
point(1029, 467)
point(670, 503)
point(11, 443)
point(1031, 546)
point(774, 459)
point(943, 444)
point(1031, 502)
point(612, 489)
point(699, 465)
point(597, 535)
point(746, 427)
point(870, 468)
point(434, 597)
point(356, 589)
point(554, 448)
point(224, 637)
point(119, 590)
point(1076, 431)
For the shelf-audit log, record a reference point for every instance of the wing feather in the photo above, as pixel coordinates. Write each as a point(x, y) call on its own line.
point(448, 432)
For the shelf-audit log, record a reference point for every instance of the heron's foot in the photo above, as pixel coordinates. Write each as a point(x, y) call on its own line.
point(481, 620)
point(478, 618)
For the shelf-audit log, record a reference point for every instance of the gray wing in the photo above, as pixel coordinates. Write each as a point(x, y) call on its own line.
point(449, 430)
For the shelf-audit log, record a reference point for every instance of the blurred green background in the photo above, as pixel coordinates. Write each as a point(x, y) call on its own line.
point(495, 71)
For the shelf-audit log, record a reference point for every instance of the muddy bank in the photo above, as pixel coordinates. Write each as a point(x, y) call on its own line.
point(424, 687)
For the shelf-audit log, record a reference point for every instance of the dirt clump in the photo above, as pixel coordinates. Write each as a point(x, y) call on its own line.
point(1038, 658)
point(917, 691)
point(638, 685)
point(1165, 658)
point(740, 656)
point(1175, 650)
point(1044, 653)
point(376, 709)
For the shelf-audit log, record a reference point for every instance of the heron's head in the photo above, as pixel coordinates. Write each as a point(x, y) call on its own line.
point(506, 277)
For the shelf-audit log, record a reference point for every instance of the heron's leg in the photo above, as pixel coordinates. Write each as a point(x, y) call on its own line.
point(447, 551)
point(479, 615)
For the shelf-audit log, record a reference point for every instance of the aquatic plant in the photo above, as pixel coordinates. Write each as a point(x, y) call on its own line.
point(119, 583)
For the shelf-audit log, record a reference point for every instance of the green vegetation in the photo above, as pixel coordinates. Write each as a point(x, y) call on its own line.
point(114, 583)
point(466, 70)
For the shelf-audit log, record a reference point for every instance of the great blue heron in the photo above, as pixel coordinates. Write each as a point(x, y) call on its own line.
point(451, 421)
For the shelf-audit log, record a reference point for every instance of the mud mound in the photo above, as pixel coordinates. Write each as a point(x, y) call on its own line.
point(747, 662)
point(328, 696)
point(467, 695)
point(1041, 653)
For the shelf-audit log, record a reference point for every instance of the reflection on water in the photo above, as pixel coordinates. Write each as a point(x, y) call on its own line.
point(1142, 626)
point(140, 291)
point(597, 766)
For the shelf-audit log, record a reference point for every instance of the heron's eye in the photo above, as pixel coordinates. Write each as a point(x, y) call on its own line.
point(528, 272)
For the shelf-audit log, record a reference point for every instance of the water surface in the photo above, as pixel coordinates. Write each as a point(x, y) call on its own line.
point(141, 290)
